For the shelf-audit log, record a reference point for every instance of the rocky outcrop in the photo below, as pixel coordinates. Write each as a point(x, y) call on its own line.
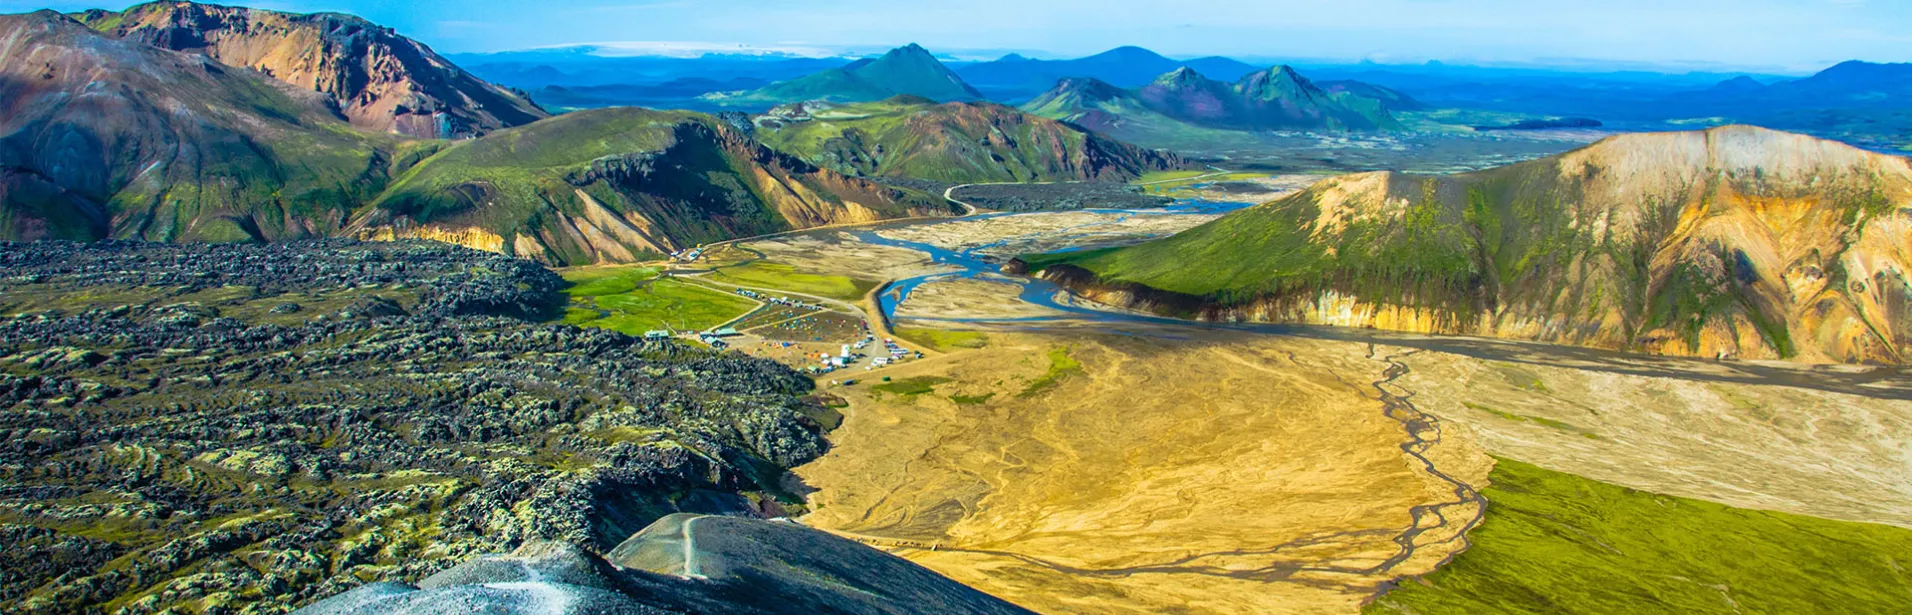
point(377, 79)
point(681, 564)
point(1734, 242)
point(240, 427)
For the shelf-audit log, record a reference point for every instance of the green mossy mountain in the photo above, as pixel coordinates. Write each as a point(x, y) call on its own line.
point(1182, 101)
point(1737, 241)
point(907, 137)
point(612, 184)
point(909, 70)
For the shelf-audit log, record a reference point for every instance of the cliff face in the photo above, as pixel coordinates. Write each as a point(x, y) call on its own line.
point(1736, 241)
point(378, 80)
point(616, 185)
point(955, 142)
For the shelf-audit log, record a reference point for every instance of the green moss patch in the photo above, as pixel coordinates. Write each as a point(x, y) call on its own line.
point(1559, 544)
point(911, 386)
point(1061, 366)
point(943, 341)
point(764, 274)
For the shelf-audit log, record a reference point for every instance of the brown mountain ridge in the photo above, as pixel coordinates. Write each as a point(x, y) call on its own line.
point(378, 80)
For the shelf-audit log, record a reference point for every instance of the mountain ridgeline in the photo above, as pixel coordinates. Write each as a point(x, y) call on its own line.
point(1736, 241)
point(1018, 78)
point(904, 71)
point(961, 142)
point(378, 80)
point(1274, 99)
point(610, 185)
point(105, 136)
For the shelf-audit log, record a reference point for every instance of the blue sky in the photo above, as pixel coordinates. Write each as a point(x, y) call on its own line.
point(1792, 35)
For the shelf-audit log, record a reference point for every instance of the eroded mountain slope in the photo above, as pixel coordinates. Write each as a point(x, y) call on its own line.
point(1736, 241)
point(101, 137)
point(377, 79)
point(612, 184)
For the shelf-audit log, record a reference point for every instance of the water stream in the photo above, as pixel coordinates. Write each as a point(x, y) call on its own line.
point(1066, 312)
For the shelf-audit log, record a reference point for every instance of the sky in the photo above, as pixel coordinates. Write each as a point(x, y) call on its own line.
point(1774, 35)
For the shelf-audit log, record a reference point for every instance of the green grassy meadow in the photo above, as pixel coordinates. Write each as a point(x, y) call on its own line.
point(631, 300)
point(1559, 544)
point(942, 341)
point(784, 277)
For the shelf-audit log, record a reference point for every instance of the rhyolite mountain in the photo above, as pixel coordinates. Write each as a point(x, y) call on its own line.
point(611, 185)
point(1014, 77)
point(1274, 99)
point(378, 80)
point(910, 70)
point(108, 137)
point(907, 137)
point(1735, 241)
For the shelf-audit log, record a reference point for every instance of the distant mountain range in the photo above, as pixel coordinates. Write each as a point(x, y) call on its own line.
point(961, 142)
point(905, 71)
point(1016, 78)
point(1735, 241)
point(532, 70)
point(379, 80)
point(1846, 85)
point(131, 125)
point(1278, 98)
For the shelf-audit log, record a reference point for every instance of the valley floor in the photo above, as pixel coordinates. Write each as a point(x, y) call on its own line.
point(1076, 463)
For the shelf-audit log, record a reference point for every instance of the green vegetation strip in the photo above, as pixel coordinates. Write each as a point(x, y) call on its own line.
point(912, 386)
point(943, 341)
point(1556, 543)
point(1178, 185)
point(602, 281)
point(1537, 420)
point(763, 274)
point(1061, 365)
point(632, 300)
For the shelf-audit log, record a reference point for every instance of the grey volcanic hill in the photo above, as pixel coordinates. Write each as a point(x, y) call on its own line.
point(239, 427)
point(681, 564)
